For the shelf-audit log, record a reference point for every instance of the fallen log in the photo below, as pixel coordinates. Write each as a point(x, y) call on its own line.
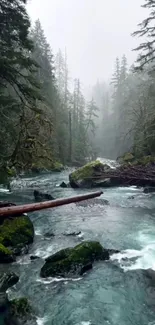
point(128, 175)
point(18, 210)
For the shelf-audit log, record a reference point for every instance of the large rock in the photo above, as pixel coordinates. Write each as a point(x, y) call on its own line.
point(15, 234)
point(88, 175)
point(7, 280)
point(20, 313)
point(17, 311)
point(74, 261)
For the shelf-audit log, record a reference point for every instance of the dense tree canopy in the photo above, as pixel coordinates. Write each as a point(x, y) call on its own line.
point(41, 120)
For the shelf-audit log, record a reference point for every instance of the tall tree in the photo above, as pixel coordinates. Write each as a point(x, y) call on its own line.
point(146, 29)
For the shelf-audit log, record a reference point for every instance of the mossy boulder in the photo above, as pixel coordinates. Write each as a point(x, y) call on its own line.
point(87, 175)
point(74, 261)
point(6, 255)
point(15, 234)
point(21, 312)
point(7, 280)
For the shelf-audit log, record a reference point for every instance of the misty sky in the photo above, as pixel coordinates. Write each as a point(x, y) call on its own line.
point(93, 31)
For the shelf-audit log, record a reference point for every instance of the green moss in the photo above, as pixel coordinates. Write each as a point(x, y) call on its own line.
point(143, 161)
point(61, 255)
point(15, 231)
point(5, 255)
point(57, 166)
point(20, 307)
point(4, 250)
point(11, 172)
point(86, 251)
point(146, 160)
point(73, 259)
point(87, 170)
point(128, 157)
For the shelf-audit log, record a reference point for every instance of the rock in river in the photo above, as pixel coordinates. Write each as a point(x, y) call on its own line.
point(74, 261)
point(20, 313)
point(7, 280)
point(39, 196)
point(17, 311)
point(15, 234)
point(87, 176)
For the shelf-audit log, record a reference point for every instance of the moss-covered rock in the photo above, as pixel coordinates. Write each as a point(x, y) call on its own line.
point(75, 260)
point(21, 312)
point(6, 255)
point(20, 307)
point(8, 280)
point(87, 175)
point(15, 233)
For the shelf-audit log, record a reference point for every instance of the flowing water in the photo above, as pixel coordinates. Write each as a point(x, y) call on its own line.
point(118, 292)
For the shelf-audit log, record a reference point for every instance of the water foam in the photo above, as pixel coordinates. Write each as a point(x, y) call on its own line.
point(41, 321)
point(4, 190)
point(52, 280)
point(132, 259)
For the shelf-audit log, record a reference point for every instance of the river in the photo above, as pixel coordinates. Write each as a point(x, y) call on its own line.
point(117, 292)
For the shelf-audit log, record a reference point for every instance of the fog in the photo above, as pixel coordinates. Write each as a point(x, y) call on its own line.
point(94, 32)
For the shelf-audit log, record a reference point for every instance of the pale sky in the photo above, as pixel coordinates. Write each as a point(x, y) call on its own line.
point(93, 31)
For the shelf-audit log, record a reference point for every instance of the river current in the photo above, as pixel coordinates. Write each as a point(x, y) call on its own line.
point(118, 292)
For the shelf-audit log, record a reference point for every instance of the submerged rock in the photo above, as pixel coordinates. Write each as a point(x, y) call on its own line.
point(15, 234)
point(149, 190)
point(49, 235)
point(39, 196)
point(72, 233)
point(34, 257)
point(88, 175)
point(73, 261)
point(63, 185)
